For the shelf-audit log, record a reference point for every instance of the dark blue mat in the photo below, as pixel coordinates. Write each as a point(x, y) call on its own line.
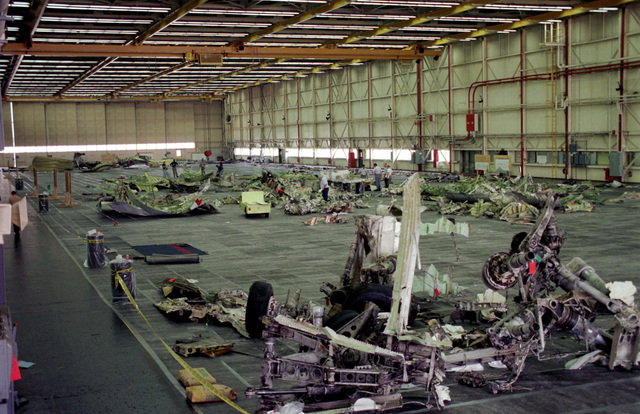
point(168, 249)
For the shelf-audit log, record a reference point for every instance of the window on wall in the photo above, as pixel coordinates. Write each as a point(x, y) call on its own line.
point(380, 154)
point(306, 152)
point(402, 155)
point(340, 153)
point(444, 155)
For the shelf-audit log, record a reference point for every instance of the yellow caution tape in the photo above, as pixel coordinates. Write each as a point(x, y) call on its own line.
point(94, 241)
point(177, 357)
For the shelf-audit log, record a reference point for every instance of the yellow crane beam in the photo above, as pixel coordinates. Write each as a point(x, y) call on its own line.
point(192, 53)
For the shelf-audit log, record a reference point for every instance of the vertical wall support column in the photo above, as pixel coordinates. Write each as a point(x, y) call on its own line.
point(166, 138)
point(46, 129)
point(106, 128)
point(369, 110)
point(250, 120)
point(331, 114)
point(393, 106)
point(274, 139)
point(298, 120)
point(565, 96)
point(449, 108)
point(522, 101)
point(349, 103)
point(485, 115)
point(419, 104)
point(284, 121)
point(621, 82)
point(135, 117)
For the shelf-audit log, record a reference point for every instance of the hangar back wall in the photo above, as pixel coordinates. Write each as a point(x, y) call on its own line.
point(146, 126)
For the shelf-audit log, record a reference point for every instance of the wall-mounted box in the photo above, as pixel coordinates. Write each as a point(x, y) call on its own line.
point(616, 164)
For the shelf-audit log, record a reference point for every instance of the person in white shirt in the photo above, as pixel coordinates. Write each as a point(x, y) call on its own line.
point(377, 172)
point(363, 176)
point(324, 187)
point(387, 175)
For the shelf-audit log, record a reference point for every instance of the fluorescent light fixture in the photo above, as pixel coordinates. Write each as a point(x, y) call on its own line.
point(405, 3)
point(603, 10)
point(243, 12)
point(123, 20)
point(101, 7)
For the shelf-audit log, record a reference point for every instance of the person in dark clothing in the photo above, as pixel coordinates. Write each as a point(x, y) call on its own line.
point(220, 169)
point(174, 167)
point(324, 187)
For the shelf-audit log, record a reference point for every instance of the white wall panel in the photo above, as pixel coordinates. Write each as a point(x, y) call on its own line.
point(150, 122)
point(62, 125)
point(121, 123)
point(91, 123)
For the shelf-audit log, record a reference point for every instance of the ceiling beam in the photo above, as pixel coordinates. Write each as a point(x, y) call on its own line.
point(528, 21)
point(249, 38)
point(420, 19)
point(27, 29)
point(170, 18)
point(470, 5)
point(299, 18)
point(226, 75)
point(141, 37)
point(153, 77)
point(192, 53)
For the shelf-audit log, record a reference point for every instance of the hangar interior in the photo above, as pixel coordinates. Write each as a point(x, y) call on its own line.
point(440, 88)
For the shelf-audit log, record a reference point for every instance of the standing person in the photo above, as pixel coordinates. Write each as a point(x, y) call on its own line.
point(203, 163)
point(363, 176)
point(164, 169)
point(14, 199)
point(387, 175)
point(324, 187)
point(220, 169)
point(377, 172)
point(174, 167)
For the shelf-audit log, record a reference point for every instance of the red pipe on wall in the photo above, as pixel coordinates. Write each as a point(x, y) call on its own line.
point(544, 76)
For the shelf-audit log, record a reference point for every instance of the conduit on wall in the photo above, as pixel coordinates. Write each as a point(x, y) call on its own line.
point(566, 73)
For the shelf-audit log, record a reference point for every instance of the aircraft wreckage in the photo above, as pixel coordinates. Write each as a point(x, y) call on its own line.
point(368, 352)
point(148, 202)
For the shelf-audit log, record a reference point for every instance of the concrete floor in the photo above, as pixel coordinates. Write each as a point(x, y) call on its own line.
point(95, 356)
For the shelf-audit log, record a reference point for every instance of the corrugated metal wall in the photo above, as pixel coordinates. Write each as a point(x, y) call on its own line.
point(101, 123)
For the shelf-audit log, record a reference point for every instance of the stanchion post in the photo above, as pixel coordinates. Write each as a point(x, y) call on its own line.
point(55, 195)
point(67, 196)
point(35, 184)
